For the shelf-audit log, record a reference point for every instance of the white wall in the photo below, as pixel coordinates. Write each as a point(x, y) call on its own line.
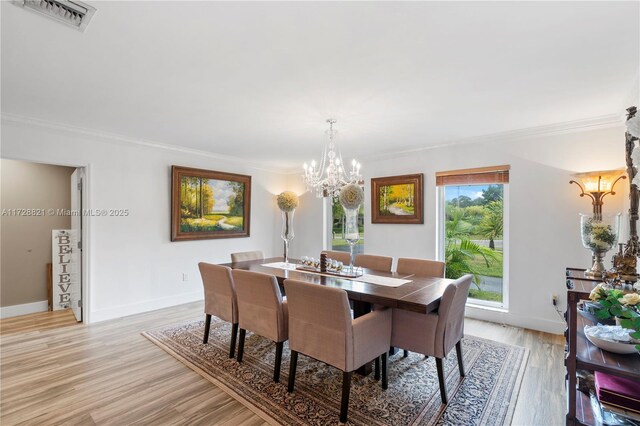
point(543, 212)
point(134, 267)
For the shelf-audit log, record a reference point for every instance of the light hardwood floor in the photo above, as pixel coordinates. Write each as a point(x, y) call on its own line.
point(107, 373)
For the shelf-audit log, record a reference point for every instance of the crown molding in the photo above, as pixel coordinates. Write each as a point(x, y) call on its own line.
point(595, 123)
point(111, 137)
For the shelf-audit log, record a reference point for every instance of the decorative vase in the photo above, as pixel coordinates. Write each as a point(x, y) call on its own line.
point(287, 232)
point(599, 234)
point(351, 232)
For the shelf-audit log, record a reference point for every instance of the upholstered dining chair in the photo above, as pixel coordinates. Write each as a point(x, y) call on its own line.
point(435, 334)
point(320, 326)
point(430, 268)
point(426, 267)
point(219, 299)
point(247, 255)
point(262, 311)
point(340, 256)
point(370, 261)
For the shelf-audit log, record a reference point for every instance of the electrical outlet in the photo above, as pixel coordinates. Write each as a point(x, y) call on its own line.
point(185, 276)
point(554, 299)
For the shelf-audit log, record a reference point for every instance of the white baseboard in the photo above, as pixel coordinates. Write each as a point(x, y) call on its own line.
point(27, 308)
point(145, 306)
point(509, 318)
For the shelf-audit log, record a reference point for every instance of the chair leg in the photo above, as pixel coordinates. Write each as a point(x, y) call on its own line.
point(234, 337)
point(243, 333)
point(377, 369)
point(385, 382)
point(292, 370)
point(460, 360)
point(406, 353)
point(443, 385)
point(276, 367)
point(207, 326)
point(346, 388)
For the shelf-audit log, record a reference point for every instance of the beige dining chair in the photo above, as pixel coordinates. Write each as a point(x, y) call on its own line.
point(320, 326)
point(219, 299)
point(340, 256)
point(425, 267)
point(435, 334)
point(262, 311)
point(247, 255)
point(370, 261)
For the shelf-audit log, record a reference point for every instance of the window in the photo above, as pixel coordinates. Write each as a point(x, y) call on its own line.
point(473, 230)
point(335, 220)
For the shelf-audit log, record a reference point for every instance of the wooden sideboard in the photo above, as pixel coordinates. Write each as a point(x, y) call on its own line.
point(583, 355)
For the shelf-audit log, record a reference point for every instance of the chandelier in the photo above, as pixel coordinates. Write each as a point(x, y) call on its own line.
point(328, 178)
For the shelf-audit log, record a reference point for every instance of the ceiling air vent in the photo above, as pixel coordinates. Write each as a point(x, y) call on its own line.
point(72, 13)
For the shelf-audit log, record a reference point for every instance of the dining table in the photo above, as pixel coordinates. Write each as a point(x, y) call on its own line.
point(417, 293)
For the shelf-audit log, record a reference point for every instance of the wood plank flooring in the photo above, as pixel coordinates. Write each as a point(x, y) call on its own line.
point(107, 373)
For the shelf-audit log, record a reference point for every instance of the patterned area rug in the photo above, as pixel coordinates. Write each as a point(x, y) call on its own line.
point(486, 396)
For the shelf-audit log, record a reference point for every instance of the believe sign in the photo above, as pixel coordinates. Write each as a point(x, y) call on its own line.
point(64, 257)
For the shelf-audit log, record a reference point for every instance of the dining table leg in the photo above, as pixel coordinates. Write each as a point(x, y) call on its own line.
point(362, 308)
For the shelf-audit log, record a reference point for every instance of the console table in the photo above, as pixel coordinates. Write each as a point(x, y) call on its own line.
point(583, 355)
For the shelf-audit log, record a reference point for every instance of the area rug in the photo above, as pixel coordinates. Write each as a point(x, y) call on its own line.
point(486, 396)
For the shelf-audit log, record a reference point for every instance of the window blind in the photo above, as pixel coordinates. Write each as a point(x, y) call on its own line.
point(480, 175)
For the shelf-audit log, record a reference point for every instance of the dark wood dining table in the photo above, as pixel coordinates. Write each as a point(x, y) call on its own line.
point(422, 294)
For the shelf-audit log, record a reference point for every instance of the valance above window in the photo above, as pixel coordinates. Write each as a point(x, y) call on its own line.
point(479, 175)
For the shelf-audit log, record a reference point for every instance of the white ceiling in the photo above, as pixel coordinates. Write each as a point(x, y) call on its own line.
point(258, 80)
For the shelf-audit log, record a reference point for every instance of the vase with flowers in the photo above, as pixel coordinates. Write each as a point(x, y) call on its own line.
point(624, 307)
point(351, 197)
point(287, 203)
point(599, 234)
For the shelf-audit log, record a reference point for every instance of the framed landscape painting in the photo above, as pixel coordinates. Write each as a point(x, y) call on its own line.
point(397, 199)
point(207, 204)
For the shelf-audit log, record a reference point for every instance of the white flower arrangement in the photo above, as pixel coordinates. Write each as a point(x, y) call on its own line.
point(633, 126)
point(599, 236)
point(287, 201)
point(635, 159)
point(351, 196)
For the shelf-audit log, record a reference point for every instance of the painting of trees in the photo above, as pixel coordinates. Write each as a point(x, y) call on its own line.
point(397, 199)
point(196, 198)
point(208, 204)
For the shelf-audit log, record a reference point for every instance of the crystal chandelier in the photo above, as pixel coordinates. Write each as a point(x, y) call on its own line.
point(330, 176)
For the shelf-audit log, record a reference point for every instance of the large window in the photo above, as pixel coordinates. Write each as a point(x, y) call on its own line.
point(335, 219)
point(473, 230)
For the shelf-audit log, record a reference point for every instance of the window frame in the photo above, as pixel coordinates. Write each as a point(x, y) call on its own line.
point(440, 243)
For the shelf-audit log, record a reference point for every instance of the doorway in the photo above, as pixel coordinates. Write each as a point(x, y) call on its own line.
point(40, 272)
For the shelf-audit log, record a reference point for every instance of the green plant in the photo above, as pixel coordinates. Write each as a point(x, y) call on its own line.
point(491, 226)
point(616, 304)
point(460, 251)
point(459, 254)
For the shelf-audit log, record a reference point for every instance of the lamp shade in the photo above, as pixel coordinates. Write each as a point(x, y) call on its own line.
point(601, 181)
